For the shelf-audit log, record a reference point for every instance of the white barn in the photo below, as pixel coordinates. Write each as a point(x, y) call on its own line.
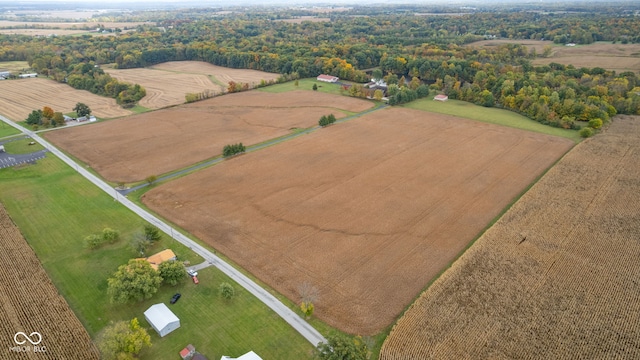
point(327, 78)
point(162, 319)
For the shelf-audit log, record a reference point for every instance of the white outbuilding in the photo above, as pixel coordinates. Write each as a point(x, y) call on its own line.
point(162, 319)
point(248, 356)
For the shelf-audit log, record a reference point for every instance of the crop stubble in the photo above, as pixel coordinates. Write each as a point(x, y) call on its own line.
point(618, 57)
point(29, 302)
point(20, 97)
point(554, 278)
point(168, 83)
point(368, 211)
point(132, 148)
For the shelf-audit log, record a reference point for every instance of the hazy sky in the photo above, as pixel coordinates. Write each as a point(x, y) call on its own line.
point(111, 4)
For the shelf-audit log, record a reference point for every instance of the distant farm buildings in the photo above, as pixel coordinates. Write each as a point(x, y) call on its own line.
point(85, 118)
point(441, 97)
point(327, 78)
point(31, 75)
point(4, 74)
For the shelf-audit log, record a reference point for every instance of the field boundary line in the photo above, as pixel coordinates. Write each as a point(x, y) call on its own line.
point(298, 323)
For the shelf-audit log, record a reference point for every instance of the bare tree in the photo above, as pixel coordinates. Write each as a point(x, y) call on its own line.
point(308, 292)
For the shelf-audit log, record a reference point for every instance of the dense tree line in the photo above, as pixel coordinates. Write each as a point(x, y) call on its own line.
point(430, 49)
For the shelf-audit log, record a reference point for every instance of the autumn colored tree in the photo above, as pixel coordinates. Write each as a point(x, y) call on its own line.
point(47, 112)
point(123, 340)
point(58, 118)
point(586, 132)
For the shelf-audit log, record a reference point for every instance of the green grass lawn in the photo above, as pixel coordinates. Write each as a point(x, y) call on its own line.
point(22, 146)
point(304, 84)
point(7, 130)
point(55, 208)
point(139, 109)
point(490, 115)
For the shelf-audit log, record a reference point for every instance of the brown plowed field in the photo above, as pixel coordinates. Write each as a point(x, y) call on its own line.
point(168, 83)
point(368, 211)
point(29, 302)
point(20, 97)
point(165, 88)
point(132, 148)
point(618, 57)
point(555, 278)
point(222, 74)
point(537, 44)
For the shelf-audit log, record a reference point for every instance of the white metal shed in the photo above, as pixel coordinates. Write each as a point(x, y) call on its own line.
point(162, 319)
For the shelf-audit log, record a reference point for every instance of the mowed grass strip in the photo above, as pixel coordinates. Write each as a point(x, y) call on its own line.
point(305, 84)
point(490, 115)
point(7, 130)
point(22, 146)
point(55, 209)
point(15, 67)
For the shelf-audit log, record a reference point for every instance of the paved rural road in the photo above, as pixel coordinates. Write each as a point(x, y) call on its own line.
point(299, 324)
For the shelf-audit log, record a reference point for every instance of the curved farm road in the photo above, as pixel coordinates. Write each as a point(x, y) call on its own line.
point(299, 324)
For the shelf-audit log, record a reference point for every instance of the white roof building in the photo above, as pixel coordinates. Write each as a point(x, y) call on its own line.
point(162, 319)
point(248, 356)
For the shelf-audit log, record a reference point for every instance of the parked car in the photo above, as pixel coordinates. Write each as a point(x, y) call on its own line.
point(175, 298)
point(195, 279)
point(192, 273)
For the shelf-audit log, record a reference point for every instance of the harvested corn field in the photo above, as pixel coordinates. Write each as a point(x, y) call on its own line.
point(168, 83)
point(153, 143)
point(37, 322)
point(20, 97)
point(368, 211)
point(555, 278)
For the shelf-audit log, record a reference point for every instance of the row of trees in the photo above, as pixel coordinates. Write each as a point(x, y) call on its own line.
point(47, 117)
point(193, 97)
point(400, 94)
point(233, 149)
point(84, 74)
point(326, 120)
